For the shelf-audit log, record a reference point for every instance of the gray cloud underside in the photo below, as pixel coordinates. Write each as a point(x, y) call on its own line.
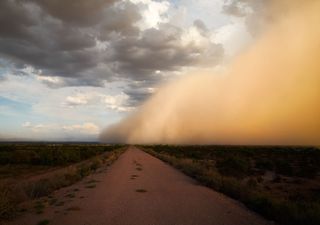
point(259, 14)
point(63, 38)
point(255, 13)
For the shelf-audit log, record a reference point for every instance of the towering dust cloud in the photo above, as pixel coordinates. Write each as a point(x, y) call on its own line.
point(270, 94)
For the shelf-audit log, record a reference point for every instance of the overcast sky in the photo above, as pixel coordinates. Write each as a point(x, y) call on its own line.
point(70, 68)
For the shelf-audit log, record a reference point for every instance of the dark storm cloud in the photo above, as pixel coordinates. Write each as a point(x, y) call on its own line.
point(88, 42)
point(2, 78)
point(157, 51)
point(259, 14)
point(235, 8)
point(139, 91)
point(56, 47)
point(79, 12)
point(160, 49)
point(55, 62)
point(121, 19)
point(200, 25)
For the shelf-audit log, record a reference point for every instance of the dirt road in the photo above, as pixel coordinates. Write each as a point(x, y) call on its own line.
point(140, 189)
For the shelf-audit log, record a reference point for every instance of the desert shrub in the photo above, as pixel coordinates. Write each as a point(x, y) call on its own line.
point(312, 214)
point(259, 179)
point(9, 199)
point(283, 167)
point(5, 157)
point(282, 210)
point(308, 170)
point(264, 164)
point(211, 179)
point(23, 156)
point(190, 167)
point(231, 187)
point(233, 166)
point(83, 170)
point(7, 203)
point(252, 183)
point(95, 164)
point(285, 212)
point(11, 195)
point(71, 177)
point(39, 188)
point(50, 154)
point(261, 203)
point(43, 222)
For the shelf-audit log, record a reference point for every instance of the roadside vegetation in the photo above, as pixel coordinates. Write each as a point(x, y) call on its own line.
point(31, 171)
point(281, 183)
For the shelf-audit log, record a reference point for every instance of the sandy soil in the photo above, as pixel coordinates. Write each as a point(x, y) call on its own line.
point(139, 189)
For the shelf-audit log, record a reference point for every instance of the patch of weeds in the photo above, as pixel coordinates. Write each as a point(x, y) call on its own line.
point(73, 208)
point(39, 188)
point(233, 166)
point(43, 222)
point(259, 179)
point(92, 181)
point(264, 164)
point(39, 207)
point(252, 183)
point(84, 170)
point(72, 177)
point(53, 201)
point(141, 190)
point(95, 164)
point(284, 167)
point(61, 203)
point(23, 210)
point(70, 195)
point(277, 179)
point(8, 201)
point(236, 171)
point(12, 194)
point(91, 186)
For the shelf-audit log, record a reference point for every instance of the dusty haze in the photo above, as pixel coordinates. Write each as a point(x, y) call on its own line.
point(270, 94)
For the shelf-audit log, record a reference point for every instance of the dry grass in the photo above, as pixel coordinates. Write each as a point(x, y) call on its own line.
point(73, 208)
point(43, 222)
point(8, 201)
point(278, 199)
point(15, 192)
point(91, 186)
